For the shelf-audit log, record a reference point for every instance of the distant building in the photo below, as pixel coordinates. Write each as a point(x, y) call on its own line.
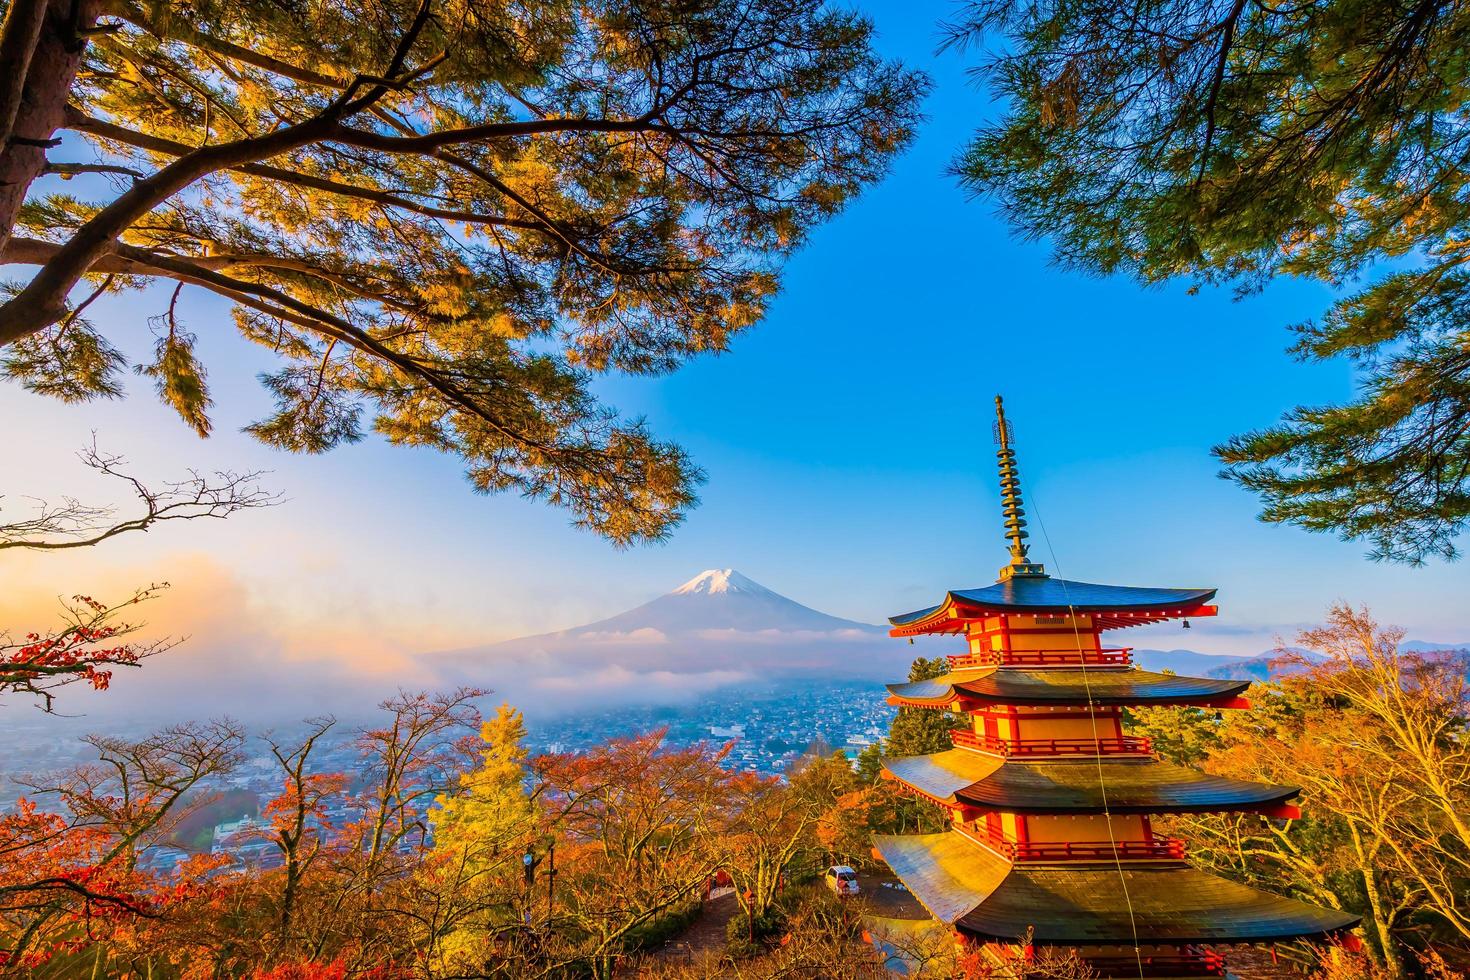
point(1050, 801)
point(162, 859)
point(234, 834)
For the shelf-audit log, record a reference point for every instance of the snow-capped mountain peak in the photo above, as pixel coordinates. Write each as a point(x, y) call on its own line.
point(716, 581)
point(721, 599)
point(717, 630)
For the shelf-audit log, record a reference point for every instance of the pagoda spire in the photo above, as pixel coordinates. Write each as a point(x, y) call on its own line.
point(1012, 505)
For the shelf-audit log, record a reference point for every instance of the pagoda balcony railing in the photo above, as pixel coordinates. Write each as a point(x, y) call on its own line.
point(1205, 963)
point(1153, 849)
point(994, 745)
point(1187, 961)
point(1106, 657)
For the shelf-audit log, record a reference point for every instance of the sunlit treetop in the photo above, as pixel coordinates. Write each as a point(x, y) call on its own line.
point(442, 217)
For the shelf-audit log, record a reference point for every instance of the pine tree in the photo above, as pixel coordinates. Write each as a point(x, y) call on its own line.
point(920, 731)
point(1231, 142)
point(869, 763)
point(440, 217)
point(886, 807)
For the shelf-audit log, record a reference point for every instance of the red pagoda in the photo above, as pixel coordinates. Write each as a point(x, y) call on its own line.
point(1050, 799)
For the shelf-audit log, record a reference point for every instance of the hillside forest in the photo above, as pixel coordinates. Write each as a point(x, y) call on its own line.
point(449, 851)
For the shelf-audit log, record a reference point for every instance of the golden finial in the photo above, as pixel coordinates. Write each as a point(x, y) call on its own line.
point(1010, 497)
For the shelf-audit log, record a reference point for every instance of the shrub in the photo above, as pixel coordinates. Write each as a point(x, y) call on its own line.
point(663, 927)
point(738, 931)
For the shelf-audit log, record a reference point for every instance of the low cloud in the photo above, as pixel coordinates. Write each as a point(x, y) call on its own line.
point(784, 637)
point(618, 680)
point(271, 658)
point(234, 655)
point(640, 636)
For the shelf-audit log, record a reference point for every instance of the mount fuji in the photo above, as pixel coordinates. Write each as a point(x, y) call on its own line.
point(723, 599)
point(719, 629)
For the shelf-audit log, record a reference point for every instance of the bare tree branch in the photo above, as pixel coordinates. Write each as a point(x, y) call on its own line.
point(72, 524)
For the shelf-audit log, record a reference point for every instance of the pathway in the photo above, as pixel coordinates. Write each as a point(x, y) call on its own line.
point(706, 936)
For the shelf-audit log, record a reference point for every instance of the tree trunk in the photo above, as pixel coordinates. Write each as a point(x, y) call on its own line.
point(1382, 934)
point(44, 53)
point(19, 34)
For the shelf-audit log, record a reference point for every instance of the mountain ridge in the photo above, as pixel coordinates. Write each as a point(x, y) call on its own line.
point(1259, 667)
point(720, 629)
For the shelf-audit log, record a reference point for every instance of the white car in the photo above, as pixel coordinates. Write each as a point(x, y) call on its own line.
point(841, 879)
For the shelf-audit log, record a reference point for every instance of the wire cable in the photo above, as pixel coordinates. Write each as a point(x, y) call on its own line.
point(1092, 715)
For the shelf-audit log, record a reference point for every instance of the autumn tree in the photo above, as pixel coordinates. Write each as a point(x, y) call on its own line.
point(300, 826)
point(852, 804)
point(862, 802)
point(69, 874)
point(366, 896)
point(481, 832)
point(1375, 737)
point(823, 780)
point(1230, 142)
point(440, 214)
point(1415, 712)
point(832, 790)
point(408, 763)
point(352, 888)
point(765, 828)
point(850, 809)
point(633, 821)
point(93, 638)
point(88, 645)
point(1331, 855)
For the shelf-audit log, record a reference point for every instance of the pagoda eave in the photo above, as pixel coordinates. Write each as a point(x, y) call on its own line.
point(1052, 687)
point(970, 704)
point(947, 801)
point(956, 619)
point(974, 782)
point(983, 895)
point(1112, 607)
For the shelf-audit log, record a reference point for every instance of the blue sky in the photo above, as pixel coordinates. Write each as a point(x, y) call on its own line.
point(847, 441)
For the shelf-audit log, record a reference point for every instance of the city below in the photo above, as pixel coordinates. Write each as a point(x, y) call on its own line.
point(767, 731)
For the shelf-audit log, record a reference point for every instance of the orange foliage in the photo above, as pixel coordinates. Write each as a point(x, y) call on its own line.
point(335, 970)
point(69, 879)
point(85, 648)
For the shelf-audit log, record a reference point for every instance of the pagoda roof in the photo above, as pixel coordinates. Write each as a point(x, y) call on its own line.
point(1044, 594)
point(1052, 686)
point(948, 872)
point(967, 885)
point(965, 777)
